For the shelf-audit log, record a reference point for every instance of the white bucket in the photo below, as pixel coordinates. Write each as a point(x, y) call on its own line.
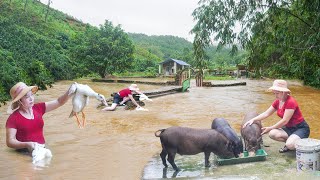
point(308, 154)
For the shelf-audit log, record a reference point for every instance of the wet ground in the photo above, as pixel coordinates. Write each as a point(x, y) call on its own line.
point(121, 144)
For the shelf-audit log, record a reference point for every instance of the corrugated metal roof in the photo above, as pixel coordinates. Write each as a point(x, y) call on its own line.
point(177, 61)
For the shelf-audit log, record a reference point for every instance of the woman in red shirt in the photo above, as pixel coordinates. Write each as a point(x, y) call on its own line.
point(292, 125)
point(24, 126)
point(123, 96)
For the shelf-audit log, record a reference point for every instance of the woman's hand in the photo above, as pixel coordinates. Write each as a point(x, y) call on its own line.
point(248, 123)
point(72, 89)
point(52, 105)
point(31, 146)
point(266, 130)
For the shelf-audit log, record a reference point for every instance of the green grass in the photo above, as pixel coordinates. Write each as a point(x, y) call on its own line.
point(135, 74)
point(219, 78)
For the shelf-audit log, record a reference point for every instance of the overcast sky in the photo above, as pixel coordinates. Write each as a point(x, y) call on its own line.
point(151, 17)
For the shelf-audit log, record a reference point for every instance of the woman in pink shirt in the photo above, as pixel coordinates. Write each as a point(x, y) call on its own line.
point(24, 126)
point(292, 125)
point(123, 96)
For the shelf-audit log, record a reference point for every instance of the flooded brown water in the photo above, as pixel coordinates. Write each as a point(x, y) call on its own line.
point(119, 144)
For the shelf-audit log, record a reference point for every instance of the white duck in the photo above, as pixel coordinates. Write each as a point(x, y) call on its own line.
point(81, 99)
point(144, 97)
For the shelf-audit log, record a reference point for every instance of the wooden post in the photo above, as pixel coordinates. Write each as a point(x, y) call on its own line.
point(199, 79)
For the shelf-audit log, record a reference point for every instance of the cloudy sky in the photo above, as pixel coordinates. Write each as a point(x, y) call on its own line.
point(151, 17)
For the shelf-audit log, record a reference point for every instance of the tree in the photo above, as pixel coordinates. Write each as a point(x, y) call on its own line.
point(283, 33)
point(200, 58)
point(107, 50)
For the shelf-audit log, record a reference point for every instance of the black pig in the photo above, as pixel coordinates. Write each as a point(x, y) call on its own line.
point(189, 141)
point(221, 125)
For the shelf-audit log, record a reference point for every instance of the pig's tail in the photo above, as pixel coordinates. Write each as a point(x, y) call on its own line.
point(158, 134)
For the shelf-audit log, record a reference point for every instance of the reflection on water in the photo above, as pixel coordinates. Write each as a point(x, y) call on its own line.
point(43, 163)
point(119, 144)
point(192, 167)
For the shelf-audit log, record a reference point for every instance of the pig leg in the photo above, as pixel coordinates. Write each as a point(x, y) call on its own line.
point(164, 172)
point(163, 155)
point(206, 159)
point(246, 144)
point(171, 156)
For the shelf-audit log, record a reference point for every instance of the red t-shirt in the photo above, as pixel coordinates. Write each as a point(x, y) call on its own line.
point(290, 103)
point(28, 129)
point(124, 92)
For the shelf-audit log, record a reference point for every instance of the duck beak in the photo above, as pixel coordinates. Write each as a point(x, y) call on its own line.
point(104, 102)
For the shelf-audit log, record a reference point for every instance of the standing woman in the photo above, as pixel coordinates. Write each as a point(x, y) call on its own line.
point(292, 125)
point(24, 126)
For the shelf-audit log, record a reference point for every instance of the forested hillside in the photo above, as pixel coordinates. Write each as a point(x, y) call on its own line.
point(32, 48)
point(162, 46)
point(178, 48)
point(150, 50)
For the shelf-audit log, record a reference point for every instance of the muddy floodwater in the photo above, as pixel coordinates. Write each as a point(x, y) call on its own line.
point(121, 144)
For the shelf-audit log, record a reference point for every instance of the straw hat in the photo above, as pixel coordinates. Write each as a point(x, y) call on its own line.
point(280, 85)
point(134, 87)
point(17, 92)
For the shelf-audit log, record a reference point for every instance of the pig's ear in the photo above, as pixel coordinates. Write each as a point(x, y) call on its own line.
point(230, 146)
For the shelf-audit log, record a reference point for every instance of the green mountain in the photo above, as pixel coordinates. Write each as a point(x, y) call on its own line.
point(150, 50)
point(164, 47)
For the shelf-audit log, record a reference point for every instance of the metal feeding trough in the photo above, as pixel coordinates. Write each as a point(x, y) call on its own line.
point(261, 155)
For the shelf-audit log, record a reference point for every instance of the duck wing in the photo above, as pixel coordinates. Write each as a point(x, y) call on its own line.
point(85, 90)
point(87, 100)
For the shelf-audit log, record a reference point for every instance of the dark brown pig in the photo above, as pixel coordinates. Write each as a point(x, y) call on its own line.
point(251, 134)
point(188, 141)
point(222, 126)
